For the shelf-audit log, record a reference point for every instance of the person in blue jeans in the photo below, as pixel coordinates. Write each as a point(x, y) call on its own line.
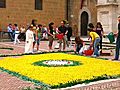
point(117, 42)
point(95, 41)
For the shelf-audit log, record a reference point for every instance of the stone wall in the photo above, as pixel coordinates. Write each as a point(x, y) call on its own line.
point(75, 13)
point(23, 11)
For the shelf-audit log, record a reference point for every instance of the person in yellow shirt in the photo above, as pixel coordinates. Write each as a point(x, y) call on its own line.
point(95, 40)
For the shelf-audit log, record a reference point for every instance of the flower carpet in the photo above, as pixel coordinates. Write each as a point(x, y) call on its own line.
point(46, 70)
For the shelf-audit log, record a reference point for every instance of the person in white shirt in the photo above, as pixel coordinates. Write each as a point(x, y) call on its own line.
point(17, 32)
point(10, 32)
point(29, 40)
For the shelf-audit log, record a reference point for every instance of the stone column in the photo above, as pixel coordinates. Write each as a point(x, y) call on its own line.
point(107, 15)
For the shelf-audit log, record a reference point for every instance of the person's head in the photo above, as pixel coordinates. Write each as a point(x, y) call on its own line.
point(51, 24)
point(119, 18)
point(10, 25)
point(34, 22)
point(44, 25)
point(40, 25)
point(90, 25)
point(78, 40)
point(67, 25)
point(62, 23)
point(15, 25)
point(99, 25)
point(30, 27)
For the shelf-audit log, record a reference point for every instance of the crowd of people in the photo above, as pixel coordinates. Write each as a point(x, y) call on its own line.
point(35, 32)
point(95, 37)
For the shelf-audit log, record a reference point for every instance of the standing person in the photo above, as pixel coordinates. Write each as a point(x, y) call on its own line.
point(95, 42)
point(62, 30)
point(17, 32)
point(69, 34)
point(100, 32)
point(38, 36)
point(34, 23)
point(117, 42)
point(51, 35)
point(22, 32)
point(10, 32)
point(29, 40)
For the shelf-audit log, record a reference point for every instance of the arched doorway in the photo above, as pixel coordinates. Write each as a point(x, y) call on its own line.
point(84, 23)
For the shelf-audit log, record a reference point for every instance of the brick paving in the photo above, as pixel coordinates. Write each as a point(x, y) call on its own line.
point(8, 82)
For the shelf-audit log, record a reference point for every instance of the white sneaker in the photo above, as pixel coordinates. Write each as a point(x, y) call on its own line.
point(94, 55)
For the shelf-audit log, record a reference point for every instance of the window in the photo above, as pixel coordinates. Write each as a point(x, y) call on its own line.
point(38, 4)
point(2, 3)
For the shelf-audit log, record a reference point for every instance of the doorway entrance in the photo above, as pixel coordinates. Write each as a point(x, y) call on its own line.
point(84, 23)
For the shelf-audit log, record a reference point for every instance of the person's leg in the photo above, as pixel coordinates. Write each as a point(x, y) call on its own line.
point(64, 43)
point(117, 49)
point(60, 44)
point(101, 43)
point(96, 42)
point(68, 41)
point(77, 49)
point(15, 40)
point(38, 43)
point(34, 41)
point(10, 36)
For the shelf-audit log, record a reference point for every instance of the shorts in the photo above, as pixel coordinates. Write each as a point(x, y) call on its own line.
point(38, 41)
point(50, 40)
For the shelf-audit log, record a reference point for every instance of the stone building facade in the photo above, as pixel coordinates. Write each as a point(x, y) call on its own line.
point(82, 12)
point(78, 12)
point(107, 13)
point(23, 11)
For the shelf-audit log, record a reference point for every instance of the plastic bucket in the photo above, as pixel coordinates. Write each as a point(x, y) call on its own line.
point(59, 36)
point(111, 37)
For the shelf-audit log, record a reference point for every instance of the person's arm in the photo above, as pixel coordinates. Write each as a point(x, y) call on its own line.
point(102, 32)
point(92, 39)
point(49, 32)
point(75, 47)
point(27, 37)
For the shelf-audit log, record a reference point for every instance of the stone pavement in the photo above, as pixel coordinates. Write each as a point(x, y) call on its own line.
point(8, 82)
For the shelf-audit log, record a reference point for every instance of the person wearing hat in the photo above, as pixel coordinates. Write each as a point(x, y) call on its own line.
point(29, 40)
point(117, 42)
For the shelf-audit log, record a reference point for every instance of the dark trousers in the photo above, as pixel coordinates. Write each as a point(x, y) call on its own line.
point(101, 43)
point(10, 34)
point(78, 47)
point(22, 36)
point(117, 49)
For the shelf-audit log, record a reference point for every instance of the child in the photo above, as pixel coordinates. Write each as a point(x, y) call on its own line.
point(78, 45)
point(29, 40)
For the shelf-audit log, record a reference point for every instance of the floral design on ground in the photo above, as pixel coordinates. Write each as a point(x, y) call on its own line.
point(92, 69)
point(57, 63)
